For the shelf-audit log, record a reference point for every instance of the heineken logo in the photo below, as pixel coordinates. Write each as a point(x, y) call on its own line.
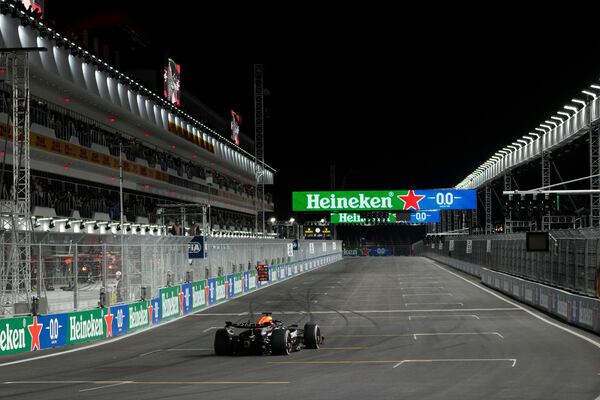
point(11, 338)
point(198, 297)
point(317, 202)
point(81, 328)
point(220, 292)
point(170, 306)
point(252, 282)
point(138, 318)
point(237, 286)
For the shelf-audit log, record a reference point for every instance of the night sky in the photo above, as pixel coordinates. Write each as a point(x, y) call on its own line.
point(393, 100)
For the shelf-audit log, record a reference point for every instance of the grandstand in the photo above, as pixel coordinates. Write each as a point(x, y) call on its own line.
point(84, 113)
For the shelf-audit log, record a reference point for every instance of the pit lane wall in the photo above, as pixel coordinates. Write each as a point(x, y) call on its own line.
point(577, 310)
point(33, 333)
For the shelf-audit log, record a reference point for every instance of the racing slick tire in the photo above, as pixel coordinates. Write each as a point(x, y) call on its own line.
point(223, 342)
point(312, 336)
point(281, 342)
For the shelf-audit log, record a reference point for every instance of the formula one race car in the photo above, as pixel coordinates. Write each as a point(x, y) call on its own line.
point(267, 336)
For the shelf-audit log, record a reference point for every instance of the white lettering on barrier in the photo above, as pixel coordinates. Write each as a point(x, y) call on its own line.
point(586, 315)
point(138, 318)
point(198, 297)
point(12, 339)
point(237, 286)
point(561, 308)
point(544, 301)
point(170, 306)
point(221, 292)
point(84, 329)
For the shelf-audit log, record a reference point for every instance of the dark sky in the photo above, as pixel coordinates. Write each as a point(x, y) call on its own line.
point(394, 100)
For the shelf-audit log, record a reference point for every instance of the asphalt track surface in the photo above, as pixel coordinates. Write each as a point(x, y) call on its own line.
point(396, 328)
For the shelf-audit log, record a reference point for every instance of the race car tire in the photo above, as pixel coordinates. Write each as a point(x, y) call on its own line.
point(312, 336)
point(281, 342)
point(223, 342)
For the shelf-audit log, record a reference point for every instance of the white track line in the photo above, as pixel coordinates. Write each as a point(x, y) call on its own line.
point(410, 317)
point(512, 360)
point(427, 294)
point(106, 386)
point(150, 352)
point(431, 304)
point(210, 329)
point(554, 324)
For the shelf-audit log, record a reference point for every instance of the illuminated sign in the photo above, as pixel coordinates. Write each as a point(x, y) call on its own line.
point(235, 127)
point(413, 217)
point(317, 231)
point(172, 76)
point(385, 200)
point(35, 5)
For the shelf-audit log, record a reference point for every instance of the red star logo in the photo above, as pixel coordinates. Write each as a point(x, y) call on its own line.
point(365, 251)
point(109, 319)
point(150, 308)
point(34, 330)
point(181, 302)
point(227, 288)
point(411, 200)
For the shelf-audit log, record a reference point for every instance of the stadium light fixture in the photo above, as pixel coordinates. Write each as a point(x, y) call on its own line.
point(513, 147)
point(595, 87)
point(517, 144)
point(551, 122)
point(554, 117)
point(528, 137)
point(546, 126)
point(522, 141)
point(537, 135)
point(589, 93)
point(583, 103)
point(540, 130)
point(571, 108)
point(565, 114)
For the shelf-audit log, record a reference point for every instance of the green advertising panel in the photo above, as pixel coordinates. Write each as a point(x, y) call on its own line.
point(384, 200)
point(198, 294)
point(238, 283)
point(15, 335)
point(169, 298)
point(85, 326)
point(221, 288)
point(252, 280)
point(139, 315)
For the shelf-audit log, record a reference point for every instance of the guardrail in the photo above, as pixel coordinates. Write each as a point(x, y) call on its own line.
point(572, 264)
point(40, 332)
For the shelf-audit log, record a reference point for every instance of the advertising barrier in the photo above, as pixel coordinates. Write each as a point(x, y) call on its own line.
point(32, 333)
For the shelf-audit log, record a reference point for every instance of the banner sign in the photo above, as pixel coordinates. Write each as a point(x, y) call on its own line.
point(16, 334)
point(412, 217)
point(155, 308)
point(170, 302)
point(238, 283)
point(53, 333)
point(246, 280)
point(221, 288)
point(262, 272)
point(197, 247)
point(88, 325)
point(120, 320)
point(198, 294)
point(140, 314)
point(212, 291)
point(251, 280)
point(185, 298)
point(230, 285)
point(450, 199)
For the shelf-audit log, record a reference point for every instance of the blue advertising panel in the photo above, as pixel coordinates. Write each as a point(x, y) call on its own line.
point(230, 286)
point(187, 299)
point(422, 217)
point(197, 247)
point(120, 319)
point(155, 305)
point(54, 330)
point(212, 291)
point(246, 281)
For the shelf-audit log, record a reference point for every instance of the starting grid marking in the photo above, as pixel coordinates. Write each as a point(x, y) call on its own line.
point(397, 363)
point(416, 335)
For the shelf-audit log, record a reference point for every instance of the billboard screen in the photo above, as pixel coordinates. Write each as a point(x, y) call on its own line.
point(235, 127)
point(172, 77)
point(382, 200)
point(317, 232)
point(413, 217)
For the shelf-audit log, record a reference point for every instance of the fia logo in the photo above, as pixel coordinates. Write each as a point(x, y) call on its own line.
point(120, 318)
point(194, 247)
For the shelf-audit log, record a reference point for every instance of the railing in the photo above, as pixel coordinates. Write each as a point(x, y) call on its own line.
point(571, 264)
point(69, 271)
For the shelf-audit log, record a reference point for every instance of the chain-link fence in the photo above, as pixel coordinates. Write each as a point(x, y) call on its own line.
point(72, 271)
point(572, 262)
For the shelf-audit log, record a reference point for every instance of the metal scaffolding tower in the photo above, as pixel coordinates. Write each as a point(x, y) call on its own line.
point(259, 150)
point(15, 273)
point(594, 172)
point(488, 209)
point(508, 213)
point(546, 164)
